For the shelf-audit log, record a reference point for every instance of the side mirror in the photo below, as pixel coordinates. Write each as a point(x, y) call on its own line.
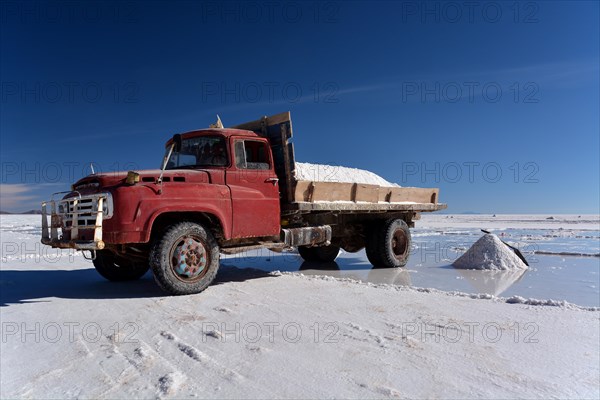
point(177, 142)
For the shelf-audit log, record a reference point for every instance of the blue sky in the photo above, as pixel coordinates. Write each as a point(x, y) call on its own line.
point(495, 103)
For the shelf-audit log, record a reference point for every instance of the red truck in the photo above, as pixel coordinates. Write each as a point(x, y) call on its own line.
point(227, 190)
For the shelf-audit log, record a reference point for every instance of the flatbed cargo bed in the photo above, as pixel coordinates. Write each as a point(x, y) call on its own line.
point(321, 196)
point(363, 207)
point(307, 196)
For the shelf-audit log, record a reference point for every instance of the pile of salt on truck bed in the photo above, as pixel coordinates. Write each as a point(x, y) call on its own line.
point(184, 217)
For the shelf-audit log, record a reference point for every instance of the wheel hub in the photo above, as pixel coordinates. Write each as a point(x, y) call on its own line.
point(399, 243)
point(189, 258)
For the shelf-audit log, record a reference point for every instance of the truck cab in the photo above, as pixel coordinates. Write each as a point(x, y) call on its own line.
point(244, 165)
point(222, 178)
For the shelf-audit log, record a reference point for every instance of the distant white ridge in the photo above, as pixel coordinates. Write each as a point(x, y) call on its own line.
point(332, 173)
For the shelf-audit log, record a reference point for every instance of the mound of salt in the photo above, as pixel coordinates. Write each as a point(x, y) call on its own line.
point(491, 254)
point(332, 173)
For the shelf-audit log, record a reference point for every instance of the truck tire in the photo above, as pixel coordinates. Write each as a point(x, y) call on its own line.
point(185, 259)
point(116, 269)
point(319, 254)
point(388, 244)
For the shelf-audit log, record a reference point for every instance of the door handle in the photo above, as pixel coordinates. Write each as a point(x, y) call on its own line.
point(272, 180)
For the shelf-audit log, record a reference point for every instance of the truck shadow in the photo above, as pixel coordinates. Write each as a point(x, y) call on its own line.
point(229, 273)
point(319, 266)
point(30, 286)
point(33, 286)
point(288, 262)
point(17, 287)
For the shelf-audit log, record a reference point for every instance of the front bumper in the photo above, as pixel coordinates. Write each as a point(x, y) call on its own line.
point(76, 222)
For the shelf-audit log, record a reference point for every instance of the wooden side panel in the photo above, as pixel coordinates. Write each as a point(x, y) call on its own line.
point(368, 193)
point(384, 194)
point(307, 191)
point(303, 191)
point(332, 191)
point(417, 195)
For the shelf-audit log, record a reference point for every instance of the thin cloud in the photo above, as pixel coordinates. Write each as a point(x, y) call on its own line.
point(15, 195)
point(555, 73)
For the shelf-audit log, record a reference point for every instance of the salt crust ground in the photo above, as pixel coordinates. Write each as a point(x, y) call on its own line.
point(329, 338)
point(68, 333)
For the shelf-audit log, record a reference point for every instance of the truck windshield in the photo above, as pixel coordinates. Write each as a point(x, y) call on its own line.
point(202, 151)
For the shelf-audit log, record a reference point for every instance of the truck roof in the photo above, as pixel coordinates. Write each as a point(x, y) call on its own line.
point(226, 132)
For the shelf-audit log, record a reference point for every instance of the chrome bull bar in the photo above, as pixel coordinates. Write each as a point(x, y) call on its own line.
point(74, 215)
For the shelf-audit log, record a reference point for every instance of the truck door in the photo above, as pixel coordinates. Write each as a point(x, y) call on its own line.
point(254, 189)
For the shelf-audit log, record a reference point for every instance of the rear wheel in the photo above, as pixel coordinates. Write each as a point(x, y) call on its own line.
point(388, 244)
point(116, 268)
point(319, 254)
point(185, 260)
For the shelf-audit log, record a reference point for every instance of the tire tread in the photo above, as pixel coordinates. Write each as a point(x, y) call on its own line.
point(378, 238)
point(162, 272)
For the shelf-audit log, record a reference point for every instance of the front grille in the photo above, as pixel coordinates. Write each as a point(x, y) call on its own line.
point(68, 217)
point(85, 209)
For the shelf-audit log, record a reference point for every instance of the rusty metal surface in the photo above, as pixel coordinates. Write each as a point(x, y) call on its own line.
point(273, 246)
point(73, 214)
point(308, 236)
point(74, 244)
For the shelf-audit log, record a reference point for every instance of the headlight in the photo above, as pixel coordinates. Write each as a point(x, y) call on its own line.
point(132, 178)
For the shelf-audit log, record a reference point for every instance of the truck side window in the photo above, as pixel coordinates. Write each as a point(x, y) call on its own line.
point(251, 154)
point(240, 154)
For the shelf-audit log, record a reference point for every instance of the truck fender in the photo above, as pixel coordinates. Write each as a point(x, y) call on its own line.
point(191, 214)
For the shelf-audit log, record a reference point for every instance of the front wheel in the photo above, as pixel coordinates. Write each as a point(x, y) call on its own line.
point(388, 244)
point(319, 254)
point(185, 260)
point(116, 268)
